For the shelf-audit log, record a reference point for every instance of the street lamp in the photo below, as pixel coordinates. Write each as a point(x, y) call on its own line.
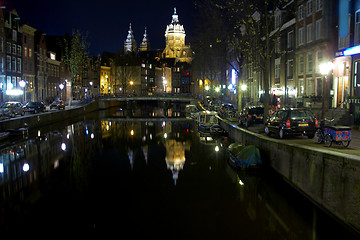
point(131, 84)
point(61, 86)
point(22, 84)
point(325, 69)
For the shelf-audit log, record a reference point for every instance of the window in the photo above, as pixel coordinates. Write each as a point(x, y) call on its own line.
point(319, 86)
point(301, 36)
point(277, 45)
point(310, 87)
point(30, 52)
point(290, 68)
point(1, 44)
point(318, 6)
point(301, 86)
point(290, 40)
point(300, 12)
point(8, 63)
point(277, 19)
point(310, 63)
point(357, 27)
point(277, 70)
point(319, 61)
point(309, 7)
point(8, 47)
point(14, 49)
point(19, 50)
point(318, 29)
point(13, 64)
point(14, 35)
point(18, 65)
point(309, 33)
point(357, 74)
point(25, 51)
point(301, 64)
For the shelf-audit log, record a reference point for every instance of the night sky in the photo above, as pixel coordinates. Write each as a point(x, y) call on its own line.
point(106, 21)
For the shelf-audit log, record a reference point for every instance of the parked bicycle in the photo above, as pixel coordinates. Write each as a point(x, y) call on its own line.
point(329, 134)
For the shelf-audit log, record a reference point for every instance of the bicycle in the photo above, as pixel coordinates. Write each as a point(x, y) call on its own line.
point(332, 134)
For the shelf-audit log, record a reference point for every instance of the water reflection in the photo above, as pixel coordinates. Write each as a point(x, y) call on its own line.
point(134, 176)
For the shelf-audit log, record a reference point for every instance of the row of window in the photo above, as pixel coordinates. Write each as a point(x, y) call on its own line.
point(303, 60)
point(300, 12)
point(11, 48)
point(13, 64)
point(309, 8)
point(310, 33)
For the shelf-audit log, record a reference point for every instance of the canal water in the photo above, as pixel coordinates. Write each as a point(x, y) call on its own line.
point(147, 176)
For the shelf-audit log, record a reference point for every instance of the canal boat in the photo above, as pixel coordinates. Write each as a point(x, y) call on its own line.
point(216, 129)
point(243, 156)
point(191, 108)
point(206, 120)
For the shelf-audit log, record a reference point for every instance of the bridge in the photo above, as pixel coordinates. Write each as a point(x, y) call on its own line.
point(167, 97)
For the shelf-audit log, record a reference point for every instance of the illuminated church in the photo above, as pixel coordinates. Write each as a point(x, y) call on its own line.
point(175, 41)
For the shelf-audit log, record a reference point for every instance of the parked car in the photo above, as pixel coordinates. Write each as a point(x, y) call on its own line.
point(226, 110)
point(251, 115)
point(34, 107)
point(291, 122)
point(58, 104)
point(11, 109)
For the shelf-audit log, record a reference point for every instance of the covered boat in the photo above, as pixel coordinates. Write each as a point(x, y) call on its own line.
point(244, 156)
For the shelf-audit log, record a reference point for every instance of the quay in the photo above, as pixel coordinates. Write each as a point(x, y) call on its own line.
point(328, 178)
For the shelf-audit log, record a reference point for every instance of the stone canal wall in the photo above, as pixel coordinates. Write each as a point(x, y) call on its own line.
point(38, 120)
point(330, 179)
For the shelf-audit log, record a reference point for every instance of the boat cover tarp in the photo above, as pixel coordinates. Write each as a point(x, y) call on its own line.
point(245, 156)
point(235, 148)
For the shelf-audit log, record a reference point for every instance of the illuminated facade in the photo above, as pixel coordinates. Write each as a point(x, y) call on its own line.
point(175, 41)
point(105, 87)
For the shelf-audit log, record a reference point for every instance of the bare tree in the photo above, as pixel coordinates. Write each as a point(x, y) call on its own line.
point(253, 37)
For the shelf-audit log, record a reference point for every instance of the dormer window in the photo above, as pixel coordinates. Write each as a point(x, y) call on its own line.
point(277, 19)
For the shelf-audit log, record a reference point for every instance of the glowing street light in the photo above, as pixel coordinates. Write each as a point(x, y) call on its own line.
point(22, 84)
point(61, 86)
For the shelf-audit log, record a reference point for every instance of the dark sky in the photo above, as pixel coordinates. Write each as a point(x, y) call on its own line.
point(106, 21)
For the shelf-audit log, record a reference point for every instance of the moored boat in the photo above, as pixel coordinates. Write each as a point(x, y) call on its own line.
point(244, 156)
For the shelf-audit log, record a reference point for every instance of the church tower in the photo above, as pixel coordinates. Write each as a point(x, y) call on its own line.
point(145, 45)
point(175, 41)
point(130, 43)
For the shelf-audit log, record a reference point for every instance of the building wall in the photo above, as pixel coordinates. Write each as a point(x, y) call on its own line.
point(13, 60)
point(41, 71)
point(29, 62)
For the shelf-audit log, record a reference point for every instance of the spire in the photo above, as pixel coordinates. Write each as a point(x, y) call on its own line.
point(175, 18)
point(145, 45)
point(130, 43)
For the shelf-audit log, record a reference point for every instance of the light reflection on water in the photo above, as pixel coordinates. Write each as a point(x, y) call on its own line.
point(147, 178)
